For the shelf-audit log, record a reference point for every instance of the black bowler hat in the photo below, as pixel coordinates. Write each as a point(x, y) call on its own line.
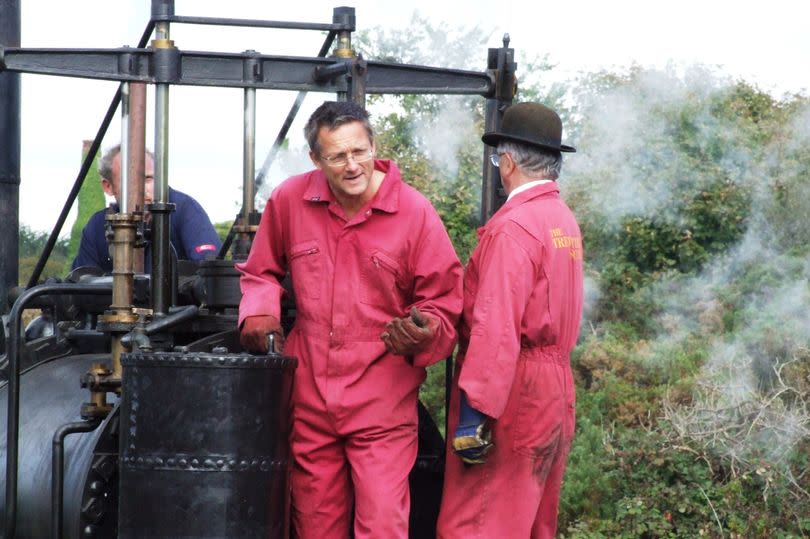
point(532, 124)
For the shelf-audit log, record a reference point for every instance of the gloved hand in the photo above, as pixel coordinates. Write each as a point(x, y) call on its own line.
point(254, 333)
point(410, 335)
point(473, 437)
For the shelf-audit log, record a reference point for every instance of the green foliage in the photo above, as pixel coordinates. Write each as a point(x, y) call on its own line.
point(223, 228)
point(432, 394)
point(632, 482)
point(31, 245)
point(660, 493)
point(587, 482)
point(90, 200)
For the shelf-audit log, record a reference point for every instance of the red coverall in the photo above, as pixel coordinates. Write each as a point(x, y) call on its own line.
point(522, 309)
point(354, 436)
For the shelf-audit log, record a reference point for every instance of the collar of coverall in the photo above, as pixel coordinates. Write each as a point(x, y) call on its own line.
point(386, 199)
point(544, 189)
point(530, 193)
point(523, 187)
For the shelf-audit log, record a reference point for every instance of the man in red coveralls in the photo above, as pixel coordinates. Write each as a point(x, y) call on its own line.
point(378, 294)
point(512, 410)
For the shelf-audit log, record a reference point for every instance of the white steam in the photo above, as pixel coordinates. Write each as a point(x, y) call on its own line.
point(445, 135)
point(751, 304)
point(629, 144)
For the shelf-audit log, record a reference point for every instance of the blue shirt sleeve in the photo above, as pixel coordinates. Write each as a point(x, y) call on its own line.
point(93, 250)
point(194, 236)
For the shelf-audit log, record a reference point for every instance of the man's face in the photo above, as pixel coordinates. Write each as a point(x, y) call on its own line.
point(112, 186)
point(351, 183)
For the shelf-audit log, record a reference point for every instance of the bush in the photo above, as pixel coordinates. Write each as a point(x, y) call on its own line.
point(32, 244)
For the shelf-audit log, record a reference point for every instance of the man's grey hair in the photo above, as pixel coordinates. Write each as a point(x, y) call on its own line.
point(106, 161)
point(333, 114)
point(535, 162)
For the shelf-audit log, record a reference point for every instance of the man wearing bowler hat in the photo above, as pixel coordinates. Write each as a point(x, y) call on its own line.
point(512, 410)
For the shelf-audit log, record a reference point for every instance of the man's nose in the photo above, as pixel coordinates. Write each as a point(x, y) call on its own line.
point(351, 162)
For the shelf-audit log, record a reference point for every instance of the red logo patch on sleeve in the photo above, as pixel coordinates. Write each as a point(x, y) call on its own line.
point(206, 247)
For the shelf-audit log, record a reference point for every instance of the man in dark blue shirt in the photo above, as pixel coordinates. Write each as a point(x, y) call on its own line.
point(192, 235)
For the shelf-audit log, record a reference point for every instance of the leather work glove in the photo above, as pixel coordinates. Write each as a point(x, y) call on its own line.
point(255, 333)
point(473, 437)
point(410, 335)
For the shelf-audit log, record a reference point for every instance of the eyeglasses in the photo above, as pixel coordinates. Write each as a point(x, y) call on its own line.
point(342, 159)
point(495, 159)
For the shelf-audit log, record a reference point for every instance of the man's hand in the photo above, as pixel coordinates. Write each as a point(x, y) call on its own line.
point(473, 437)
point(256, 329)
point(410, 335)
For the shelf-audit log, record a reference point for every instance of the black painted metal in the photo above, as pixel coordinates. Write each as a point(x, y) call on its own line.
point(492, 193)
point(9, 155)
point(162, 10)
point(225, 69)
point(426, 478)
point(50, 397)
point(174, 318)
point(332, 71)
point(220, 284)
point(161, 261)
point(206, 435)
point(57, 470)
point(357, 82)
point(13, 401)
point(159, 325)
point(252, 23)
point(501, 65)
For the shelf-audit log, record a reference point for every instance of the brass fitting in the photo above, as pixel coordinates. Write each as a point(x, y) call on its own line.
point(162, 43)
point(99, 381)
point(344, 45)
point(119, 318)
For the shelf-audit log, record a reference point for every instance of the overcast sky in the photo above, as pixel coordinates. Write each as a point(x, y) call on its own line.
point(765, 43)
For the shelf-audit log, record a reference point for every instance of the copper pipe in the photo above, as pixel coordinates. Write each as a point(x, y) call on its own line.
point(123, 203)
point(136, 165)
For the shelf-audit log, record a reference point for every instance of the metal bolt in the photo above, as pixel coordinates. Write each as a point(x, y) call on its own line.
point(93, 510)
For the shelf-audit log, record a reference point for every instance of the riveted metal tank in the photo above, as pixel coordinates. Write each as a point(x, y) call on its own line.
point(205, 445)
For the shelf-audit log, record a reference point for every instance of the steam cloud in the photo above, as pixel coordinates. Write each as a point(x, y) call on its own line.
point(627, 145)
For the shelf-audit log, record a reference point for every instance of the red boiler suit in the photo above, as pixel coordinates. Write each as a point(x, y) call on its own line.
point(354, 438)
point(522, 309)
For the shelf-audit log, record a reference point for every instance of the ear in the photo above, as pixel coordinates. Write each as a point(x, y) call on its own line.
point(106, 185)
point(508, 164)
point(315, 160)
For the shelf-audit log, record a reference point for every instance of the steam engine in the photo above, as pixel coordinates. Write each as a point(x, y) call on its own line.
point(129, 408)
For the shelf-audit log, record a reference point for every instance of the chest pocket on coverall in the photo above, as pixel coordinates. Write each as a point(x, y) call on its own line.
point(306, 267)
point(381, 278)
